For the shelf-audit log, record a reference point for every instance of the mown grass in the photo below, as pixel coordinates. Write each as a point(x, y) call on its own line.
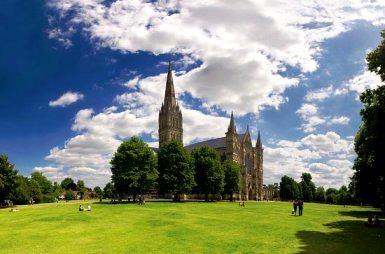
point(191, 227)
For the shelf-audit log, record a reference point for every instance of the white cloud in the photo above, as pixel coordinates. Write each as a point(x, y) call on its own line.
point(243, 49)
point(319, 94)
point(364, 80)
point(312, 118)
point(326, 156)
point(66, 99)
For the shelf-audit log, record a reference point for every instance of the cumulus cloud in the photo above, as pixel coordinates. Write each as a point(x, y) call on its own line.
point(66, 99)
point(240, 56)
point(362, 81)
point(319, 94)
point(309, 113)
point(328, 157)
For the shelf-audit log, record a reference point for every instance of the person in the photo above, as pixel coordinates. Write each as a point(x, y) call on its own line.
point(300, 207)
point(295, 203)
point(89, 208)
point(81, 209)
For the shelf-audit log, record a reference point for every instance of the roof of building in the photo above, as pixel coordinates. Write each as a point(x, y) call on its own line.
point(214, 143)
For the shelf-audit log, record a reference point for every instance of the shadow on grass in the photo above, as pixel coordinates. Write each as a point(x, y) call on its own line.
point(362, 214)
point(350, 236)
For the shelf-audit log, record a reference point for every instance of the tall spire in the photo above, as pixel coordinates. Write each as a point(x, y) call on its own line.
point(232, 127)
point(169, 95)
point(259, 142)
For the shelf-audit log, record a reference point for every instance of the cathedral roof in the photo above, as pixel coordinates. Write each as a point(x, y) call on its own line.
point(213, 143)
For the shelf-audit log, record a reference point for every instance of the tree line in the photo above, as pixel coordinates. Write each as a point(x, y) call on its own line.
point(138, 170)
point(37, 188)
point(307, 191)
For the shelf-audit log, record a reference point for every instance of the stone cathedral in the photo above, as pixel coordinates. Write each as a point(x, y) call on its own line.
point(233, 146)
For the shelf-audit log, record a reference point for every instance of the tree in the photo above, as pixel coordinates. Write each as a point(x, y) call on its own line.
point(42, 188)
point(231, 171)
point(209, 175)
point(22, 193)
point(331, 196)
point(307, 187)
point(8, 178)
point(176, 175)
point(369, 143)
point(69, 195)
point(68, 184)
point(109, 191)
point(99, 193)
point(289, 188)
point(81, 188)
point(320, 195)
point(343, 197)
point(133, 168)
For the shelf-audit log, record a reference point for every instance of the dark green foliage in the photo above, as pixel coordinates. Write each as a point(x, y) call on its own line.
point(289, 189)
point(7, 178)
point(209, 174)
point(99, 193)
point(369, 177)
point(307, 187)
point(68, 184)
point(176, 175)
point(81, 188)
point(22, 193)
point(109, 191)
point(232, 174)
point(133, 168)
point(69, 195)
point(320, 195)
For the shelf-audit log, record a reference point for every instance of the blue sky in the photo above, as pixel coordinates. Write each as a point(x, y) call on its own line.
point(77, 77)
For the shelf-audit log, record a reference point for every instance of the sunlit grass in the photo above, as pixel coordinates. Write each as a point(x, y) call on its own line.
point(192, 227)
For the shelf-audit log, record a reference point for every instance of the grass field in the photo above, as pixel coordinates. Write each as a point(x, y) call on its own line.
point(193, 227)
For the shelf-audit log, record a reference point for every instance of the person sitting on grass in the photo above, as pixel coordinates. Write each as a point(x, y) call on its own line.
point(81, 209)
point(242, 203)
point(89, 208)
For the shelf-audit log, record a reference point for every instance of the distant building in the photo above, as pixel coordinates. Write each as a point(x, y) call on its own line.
point(233, 146)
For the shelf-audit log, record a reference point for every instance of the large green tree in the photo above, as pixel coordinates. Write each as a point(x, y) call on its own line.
point(232, 174)
point(176, 174)
point(307, 187)
point(133, 168)
point(8, 175)
point(68, 184)
point(81, 188)
point(22, 193)
point(109, 191)
point(369, 143)
point(320, 195)
point(209, 174)
point(288, 188)
point(42, 188)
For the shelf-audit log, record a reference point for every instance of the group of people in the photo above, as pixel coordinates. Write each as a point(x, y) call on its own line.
point(297, 204)
point(81, 208)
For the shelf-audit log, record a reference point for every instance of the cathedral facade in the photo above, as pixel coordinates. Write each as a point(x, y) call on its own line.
point(233, 146)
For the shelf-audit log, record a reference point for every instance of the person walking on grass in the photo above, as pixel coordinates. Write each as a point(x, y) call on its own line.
point(295, 203)
point(300, 207)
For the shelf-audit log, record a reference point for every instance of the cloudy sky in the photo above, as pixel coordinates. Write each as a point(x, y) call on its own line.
point(79, 76)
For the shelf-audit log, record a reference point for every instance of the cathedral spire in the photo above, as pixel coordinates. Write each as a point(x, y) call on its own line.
point(232, 127)
point(169, 95)
point(259, 142)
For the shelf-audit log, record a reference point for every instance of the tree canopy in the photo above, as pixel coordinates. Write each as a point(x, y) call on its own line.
point(209, 175)
point(8, 178)
point(176, 175)
point(133, 168)
point(368, 181)
point(232, 174)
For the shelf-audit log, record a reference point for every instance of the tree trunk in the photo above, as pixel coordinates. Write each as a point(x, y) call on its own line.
point(206, 197)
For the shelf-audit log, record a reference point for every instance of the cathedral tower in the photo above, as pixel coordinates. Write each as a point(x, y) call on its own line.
point(259, 166)
point(170, 115)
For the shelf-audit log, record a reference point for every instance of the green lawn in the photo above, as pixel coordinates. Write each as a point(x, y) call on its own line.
point(193, 227)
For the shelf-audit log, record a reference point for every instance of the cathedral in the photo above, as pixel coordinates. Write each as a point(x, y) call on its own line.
point(233, 146)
